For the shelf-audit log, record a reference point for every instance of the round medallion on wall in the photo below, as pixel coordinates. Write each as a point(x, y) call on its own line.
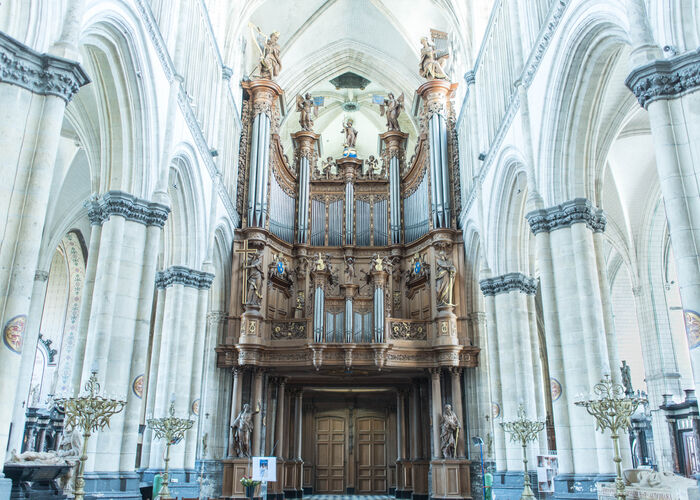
point(692, 328)
point(137, 386)
point(195, 407)
point(495, 410)
point(555, 387)
point(13, 333)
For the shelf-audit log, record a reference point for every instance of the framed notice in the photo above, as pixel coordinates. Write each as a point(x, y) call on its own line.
point(547, 469)
point(265, 469)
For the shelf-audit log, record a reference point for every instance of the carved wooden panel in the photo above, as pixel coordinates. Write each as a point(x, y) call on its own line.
point(371, 455)
point(330, 455)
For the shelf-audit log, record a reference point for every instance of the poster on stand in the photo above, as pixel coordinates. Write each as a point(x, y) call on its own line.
point(547, 468)
point(265, 469)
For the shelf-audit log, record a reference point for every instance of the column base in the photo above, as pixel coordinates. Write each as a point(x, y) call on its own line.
point(450, 479)
point(119, 484)
point(578, 486)
point(402, 493)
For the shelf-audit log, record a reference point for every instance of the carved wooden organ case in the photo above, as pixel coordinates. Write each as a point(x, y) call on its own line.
point(356, 254)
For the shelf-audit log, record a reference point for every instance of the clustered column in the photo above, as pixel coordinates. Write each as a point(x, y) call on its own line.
point(33, 95)
point(510, 305)
point(574, 317)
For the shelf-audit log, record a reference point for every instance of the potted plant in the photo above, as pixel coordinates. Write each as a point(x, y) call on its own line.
point(250, 485)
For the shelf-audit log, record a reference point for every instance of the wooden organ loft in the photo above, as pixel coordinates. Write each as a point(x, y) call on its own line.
point(348, 279)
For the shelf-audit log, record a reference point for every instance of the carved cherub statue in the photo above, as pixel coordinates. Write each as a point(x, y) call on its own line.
point(350, 268)
point(305, 106)
point(374, 169)
point(325, 168)
point(350, 134)
point(392, 107)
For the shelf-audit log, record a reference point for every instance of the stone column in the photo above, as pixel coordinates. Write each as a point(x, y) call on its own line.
point(306, 152)
point(33, 98)
point(298, 423)
point(667, 89)
point(235, 401)
point(256, 406)
point(456, 382)
point(264, 95)
point(281, 419)
point(574, 318)
point(436, 411)
point(393, 155)
point(41, 281)
point(416, 440)
point(479, 383)
point(435, 94)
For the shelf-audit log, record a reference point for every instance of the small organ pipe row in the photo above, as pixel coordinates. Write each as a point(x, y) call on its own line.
point(415, 213)
point(318, 223)
point(380, 223)
point(281, 212)
point(335, 223)
point(349, 197)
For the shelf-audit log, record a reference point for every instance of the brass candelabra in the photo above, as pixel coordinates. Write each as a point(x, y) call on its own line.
point(523, 431)
point(172, 429)
point(612, 410)
point(90, 413)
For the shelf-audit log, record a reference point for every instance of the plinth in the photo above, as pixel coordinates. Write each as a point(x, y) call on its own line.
point(234, 470)
point(451, 479)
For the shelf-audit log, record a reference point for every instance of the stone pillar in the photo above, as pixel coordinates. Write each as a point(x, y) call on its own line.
point(235, 402)
point(33, 95)
point(281, 419)
point(379, 277)
point(436, 411)
point(41, 279)
point(256, 405)
point(478, 381)
point(306, 152)
point(574, 318)
point(435, 94)
point(400, 420)
point(456, 383)
point(264, 95)
point(393, 155)
point(298, 423)
point(507, 300)
point(667, 89)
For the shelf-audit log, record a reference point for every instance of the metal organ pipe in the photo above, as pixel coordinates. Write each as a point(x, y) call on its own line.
point(303, 215)
point(318, 314)
point(253, 170)
point(349, 197)
point(264, 168)
point(446, 187)
point(394, 193)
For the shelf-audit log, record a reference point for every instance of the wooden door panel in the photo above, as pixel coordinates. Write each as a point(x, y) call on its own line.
point(371, 455)
point(330, 455)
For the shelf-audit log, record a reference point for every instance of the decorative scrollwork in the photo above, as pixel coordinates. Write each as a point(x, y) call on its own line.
point(288, 330)
point(403, 330)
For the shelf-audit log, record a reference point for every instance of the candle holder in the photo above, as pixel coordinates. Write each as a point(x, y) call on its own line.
point(612, 410)
point(523, 431)
point(90, 413)
point(172, 429)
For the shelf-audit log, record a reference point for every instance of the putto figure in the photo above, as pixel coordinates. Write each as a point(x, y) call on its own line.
point(270, 64)
point(392, 108)
point(350, 134)
point(305, 106)
point(431, 65)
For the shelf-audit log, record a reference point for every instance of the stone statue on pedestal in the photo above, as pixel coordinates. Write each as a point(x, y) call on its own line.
point(255, 275)
point(626, 378)
point(431, 64)
point(305, 105)
point(449, 432)
point(241, 429)
point(392, 107)
point(445, 279)
point(350, 134)
point(270, 63)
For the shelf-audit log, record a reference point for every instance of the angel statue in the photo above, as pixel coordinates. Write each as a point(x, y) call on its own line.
point(449, 432)
point(350, 134)
point(270, 64)
point(374, 167)
point(241, 429)
point(431, 65)
point(325, 168)
point(304, 107)
point(392, 107)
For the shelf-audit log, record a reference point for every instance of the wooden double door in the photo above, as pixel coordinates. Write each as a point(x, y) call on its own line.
point(350, 455)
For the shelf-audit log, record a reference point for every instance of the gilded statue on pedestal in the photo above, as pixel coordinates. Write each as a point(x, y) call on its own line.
point(392, 107)
point(241, 428)
point(445, 279)
point(449, 432)
point(254, 278)
point(270, 64)
point(431, 64)
point(305, 106)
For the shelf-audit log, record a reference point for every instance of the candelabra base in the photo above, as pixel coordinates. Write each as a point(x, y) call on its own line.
point(509, 485)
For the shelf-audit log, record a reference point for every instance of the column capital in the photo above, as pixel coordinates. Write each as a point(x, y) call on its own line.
point(477, 317)
point(128, 206)
point(455, 371)
point(434, 372)
point(180, 275)
point(578, 210)
point(37, 72)
point(665, 78)
point(508, 283)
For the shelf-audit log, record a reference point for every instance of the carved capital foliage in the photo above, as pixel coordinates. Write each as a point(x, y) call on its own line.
point(180, 275)
point(665, 78)
point(39, 73)
point(216, 317)
point(508, 283)
point(567, 214)
point(128, 206)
